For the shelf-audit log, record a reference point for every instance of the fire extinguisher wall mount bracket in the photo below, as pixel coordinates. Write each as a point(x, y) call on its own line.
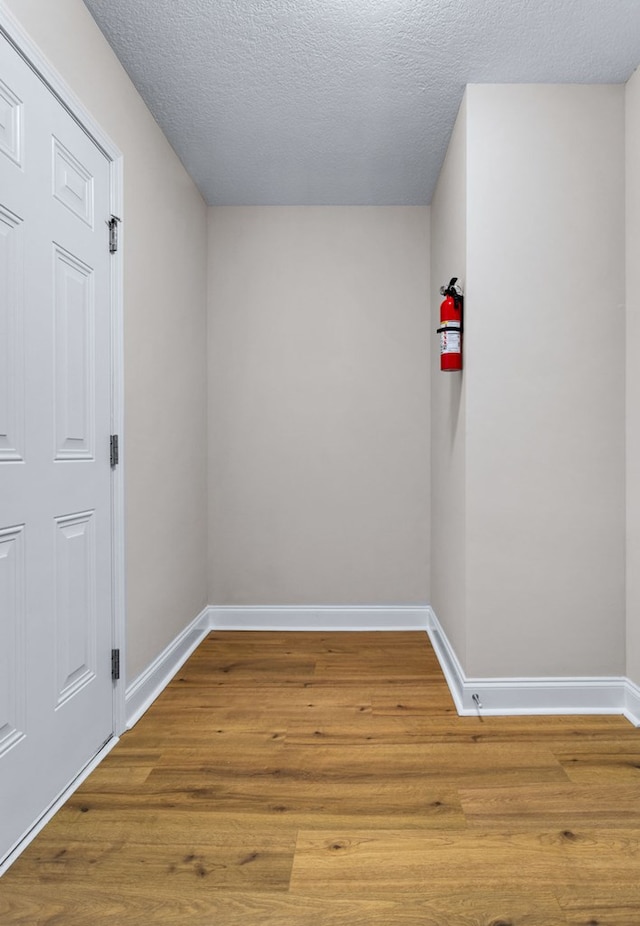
point(450, 330)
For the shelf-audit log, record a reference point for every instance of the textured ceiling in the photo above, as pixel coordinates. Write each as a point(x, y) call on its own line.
point(286, 102)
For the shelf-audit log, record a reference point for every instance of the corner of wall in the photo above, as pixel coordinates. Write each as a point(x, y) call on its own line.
point(632, 272)
point(448, 391)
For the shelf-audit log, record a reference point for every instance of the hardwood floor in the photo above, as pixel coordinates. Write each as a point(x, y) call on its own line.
point(325, 780)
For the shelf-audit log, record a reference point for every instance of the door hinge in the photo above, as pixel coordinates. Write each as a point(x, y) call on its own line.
point(114, 451)
point(113, 233)
point(115, 664)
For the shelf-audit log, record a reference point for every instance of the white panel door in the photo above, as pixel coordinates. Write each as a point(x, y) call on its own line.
point(55, 484)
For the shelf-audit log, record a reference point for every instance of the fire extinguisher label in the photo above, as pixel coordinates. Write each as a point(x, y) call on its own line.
point(449, 341)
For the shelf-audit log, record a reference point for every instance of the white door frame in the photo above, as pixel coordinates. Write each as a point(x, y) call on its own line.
point(11, 29)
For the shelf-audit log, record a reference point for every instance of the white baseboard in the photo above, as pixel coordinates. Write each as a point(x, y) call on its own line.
point(321, 619)
point(449, 663)
point(521, 696)
point(496, 696)
point(632, 702)
point(144, 690)
point(62, 798)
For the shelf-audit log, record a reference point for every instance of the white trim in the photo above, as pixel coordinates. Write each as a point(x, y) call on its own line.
point(26, 47)
point(521, 696)
point(62, 798)
point(118, 563)
point(449, 663)
point(322, 619)
point(632, 702)
point(498, 696)
point(144, 690)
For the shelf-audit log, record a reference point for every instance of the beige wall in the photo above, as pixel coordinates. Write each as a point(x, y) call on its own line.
point(449, 259)
point(165, 323)
point(633, 375)
point(545, 381)
point(319, 457)
point(319, 405)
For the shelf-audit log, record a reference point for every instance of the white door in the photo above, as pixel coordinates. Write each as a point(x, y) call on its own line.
point(55, 484)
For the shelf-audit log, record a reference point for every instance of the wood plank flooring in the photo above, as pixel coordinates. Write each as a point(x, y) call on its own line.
point(326, 780)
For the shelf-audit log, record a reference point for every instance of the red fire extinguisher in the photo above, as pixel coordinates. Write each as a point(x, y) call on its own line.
point(450, 329)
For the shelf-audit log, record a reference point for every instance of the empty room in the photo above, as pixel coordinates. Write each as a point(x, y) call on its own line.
point(320, 462)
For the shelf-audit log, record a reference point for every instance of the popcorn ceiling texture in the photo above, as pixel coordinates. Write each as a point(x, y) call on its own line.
point(294, 102)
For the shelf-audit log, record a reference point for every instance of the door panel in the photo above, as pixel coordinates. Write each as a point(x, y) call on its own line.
point(75, 604)
point(72, 183)
point(12, 608)
point(11, 341)
point(10, 124)
point(74, 404)
point(55, 480)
